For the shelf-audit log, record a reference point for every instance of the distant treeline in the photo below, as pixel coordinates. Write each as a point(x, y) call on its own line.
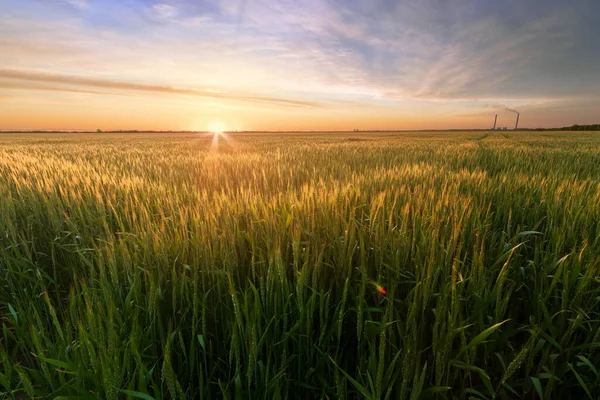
point(595, 127)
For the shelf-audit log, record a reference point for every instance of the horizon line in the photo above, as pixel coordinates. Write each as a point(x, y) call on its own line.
point(282, 131)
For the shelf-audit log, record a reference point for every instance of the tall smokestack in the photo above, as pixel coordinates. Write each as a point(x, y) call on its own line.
point(495, 119)
point(517, 123)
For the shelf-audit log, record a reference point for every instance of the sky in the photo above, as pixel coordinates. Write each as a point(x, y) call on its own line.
point(298, 64)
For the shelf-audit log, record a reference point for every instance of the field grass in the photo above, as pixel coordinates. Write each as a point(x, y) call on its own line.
point(401, 266)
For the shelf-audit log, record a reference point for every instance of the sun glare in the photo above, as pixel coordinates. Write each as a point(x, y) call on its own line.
point(217, 127)
point(218, 130)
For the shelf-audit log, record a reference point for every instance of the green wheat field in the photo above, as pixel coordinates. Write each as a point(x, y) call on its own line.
point(293, 266)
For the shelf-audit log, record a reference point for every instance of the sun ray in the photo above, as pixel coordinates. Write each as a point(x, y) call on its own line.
point(218, 130)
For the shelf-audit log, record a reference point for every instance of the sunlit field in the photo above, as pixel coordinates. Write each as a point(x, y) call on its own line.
point(385, 265)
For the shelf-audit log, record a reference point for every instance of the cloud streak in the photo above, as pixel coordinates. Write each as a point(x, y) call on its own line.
point(78, 81)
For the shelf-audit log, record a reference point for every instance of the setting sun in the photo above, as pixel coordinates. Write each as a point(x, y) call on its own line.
point(217, 127)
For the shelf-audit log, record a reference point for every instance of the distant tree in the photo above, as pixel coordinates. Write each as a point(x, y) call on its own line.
point(98, 130)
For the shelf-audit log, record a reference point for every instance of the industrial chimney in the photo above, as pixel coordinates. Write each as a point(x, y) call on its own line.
point(517, 123)
point(495, 119)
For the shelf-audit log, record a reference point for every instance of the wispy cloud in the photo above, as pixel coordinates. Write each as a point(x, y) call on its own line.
point(78, 3)
point(164, 11)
